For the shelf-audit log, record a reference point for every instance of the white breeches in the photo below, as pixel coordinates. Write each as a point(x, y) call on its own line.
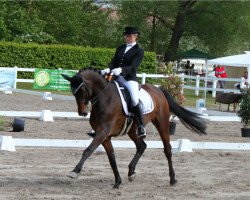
point(133, 88)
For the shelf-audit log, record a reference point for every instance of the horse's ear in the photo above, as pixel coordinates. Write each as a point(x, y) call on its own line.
point(66, 77)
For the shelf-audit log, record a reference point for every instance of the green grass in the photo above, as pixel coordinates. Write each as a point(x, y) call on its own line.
point(29, 86)
point(191, 98)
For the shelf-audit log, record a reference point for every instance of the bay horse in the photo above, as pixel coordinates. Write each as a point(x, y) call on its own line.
point(107, 119)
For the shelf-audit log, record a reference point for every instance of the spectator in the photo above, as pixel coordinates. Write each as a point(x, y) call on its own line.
point(245, 76)
point(220, 72)
point(187, 67)
point(192, 69)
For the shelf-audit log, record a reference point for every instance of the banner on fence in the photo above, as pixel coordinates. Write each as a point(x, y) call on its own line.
point(51, 79)
point(7, 78)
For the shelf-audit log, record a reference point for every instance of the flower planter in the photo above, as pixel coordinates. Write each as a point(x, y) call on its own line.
point(245, 132)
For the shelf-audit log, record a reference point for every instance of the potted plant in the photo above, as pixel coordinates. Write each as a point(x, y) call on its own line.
point(244, 111)
point(174, 84)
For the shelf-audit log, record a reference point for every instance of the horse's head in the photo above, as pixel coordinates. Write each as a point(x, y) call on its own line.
point(82, 92)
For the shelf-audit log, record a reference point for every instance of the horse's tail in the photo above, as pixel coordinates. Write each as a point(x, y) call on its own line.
point(191, 120)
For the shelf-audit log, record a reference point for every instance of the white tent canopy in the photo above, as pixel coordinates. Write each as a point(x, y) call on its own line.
point(241, 60)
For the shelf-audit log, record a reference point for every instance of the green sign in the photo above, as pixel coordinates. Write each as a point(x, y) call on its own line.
point(52, 79)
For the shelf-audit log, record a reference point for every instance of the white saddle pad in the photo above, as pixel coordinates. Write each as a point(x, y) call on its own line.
point(145, 98)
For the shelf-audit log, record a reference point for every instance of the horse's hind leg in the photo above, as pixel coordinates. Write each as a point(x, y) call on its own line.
point(110, 152)
point(163, 129)
point(168, 153)
point(140, 148)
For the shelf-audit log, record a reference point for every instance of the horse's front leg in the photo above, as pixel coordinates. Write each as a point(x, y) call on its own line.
point(111, 155)
point(86, 153)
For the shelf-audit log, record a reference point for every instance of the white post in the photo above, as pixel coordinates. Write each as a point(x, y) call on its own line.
point(197, 85)
point(214, 87)
point(205, 87)
point(15, 70)
point(143, 79)
point(182, 80)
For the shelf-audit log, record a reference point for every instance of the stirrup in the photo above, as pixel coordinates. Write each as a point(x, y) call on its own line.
point(141, 132)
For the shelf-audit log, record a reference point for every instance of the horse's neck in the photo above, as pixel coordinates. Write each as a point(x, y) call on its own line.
point(99, 86)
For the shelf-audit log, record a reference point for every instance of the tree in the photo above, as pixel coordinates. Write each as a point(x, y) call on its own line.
point(19, 22)
point(77, 22)
point(66, 22)
point(168, 27)
point(213, 25)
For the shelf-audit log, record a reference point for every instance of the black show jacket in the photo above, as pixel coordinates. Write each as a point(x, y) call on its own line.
point(129, 61)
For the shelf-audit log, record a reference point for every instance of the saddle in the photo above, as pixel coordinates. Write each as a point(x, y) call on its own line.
point(145, 100)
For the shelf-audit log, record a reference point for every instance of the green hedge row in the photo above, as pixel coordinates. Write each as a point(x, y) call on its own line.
point(62, 56)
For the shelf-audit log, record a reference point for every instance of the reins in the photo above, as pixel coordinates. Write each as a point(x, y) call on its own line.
point(93, 101)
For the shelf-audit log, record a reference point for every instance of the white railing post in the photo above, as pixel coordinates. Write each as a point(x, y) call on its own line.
point(197, 85)
point(15, 82)
point(182, 80)
point(214, 87)
point(143, 79)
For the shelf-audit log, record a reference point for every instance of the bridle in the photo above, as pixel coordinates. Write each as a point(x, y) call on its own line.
point(77, 88)
point(96, 98)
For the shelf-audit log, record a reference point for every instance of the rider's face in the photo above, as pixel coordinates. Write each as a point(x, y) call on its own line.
point(130, 38)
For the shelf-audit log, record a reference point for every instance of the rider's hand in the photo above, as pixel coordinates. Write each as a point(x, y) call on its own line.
point(117, 71)
point(105, 71)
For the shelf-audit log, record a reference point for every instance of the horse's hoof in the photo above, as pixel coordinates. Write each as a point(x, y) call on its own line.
point(116, 186)
point(173, 182)
point(73, 175)
point(131, 178)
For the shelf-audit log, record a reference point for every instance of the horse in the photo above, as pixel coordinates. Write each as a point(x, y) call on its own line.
point(107, 119)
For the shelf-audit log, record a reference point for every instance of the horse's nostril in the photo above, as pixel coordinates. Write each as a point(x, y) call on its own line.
point(84, 114)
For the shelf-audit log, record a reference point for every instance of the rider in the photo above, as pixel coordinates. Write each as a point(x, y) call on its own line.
point(124, 65)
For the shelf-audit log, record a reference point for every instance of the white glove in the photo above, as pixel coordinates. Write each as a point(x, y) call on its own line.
point(105, 71)
point(117, 71)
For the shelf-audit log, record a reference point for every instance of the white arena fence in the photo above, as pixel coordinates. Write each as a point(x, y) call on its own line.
point(188, 79)
point(182, 145)
point(8, 143)
point(48, 115)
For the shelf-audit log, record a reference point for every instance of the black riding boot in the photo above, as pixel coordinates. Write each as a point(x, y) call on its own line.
point(141, 131)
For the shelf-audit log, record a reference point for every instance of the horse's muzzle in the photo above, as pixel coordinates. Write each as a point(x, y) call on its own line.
point(84, 114)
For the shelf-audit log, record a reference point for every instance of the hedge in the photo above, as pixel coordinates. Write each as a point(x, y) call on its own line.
point(30, 55)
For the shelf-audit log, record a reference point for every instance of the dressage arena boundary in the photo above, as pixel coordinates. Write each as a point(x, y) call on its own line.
point(43, 115)
point(48, 115)
point(8, 143)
